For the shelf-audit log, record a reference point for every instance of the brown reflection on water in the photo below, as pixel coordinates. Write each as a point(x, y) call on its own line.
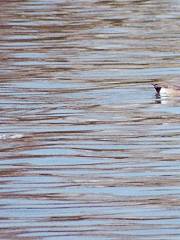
point(87, 150)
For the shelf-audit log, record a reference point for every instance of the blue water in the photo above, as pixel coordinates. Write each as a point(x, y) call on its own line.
point(87, 149)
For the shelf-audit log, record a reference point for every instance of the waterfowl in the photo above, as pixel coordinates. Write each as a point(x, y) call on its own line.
point(165, 90)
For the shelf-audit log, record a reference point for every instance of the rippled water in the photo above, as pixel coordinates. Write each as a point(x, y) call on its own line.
point(87, 150)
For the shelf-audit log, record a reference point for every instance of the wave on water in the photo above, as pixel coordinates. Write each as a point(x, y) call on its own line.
point(11, 136)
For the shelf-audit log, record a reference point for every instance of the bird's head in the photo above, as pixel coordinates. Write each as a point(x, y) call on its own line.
point(157, 88)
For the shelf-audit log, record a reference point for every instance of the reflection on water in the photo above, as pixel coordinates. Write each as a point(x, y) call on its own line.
point(87, 150)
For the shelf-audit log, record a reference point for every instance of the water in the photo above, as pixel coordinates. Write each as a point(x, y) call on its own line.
point(87, 150)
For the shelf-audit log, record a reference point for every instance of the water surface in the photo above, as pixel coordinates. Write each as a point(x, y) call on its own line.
point(87, 150)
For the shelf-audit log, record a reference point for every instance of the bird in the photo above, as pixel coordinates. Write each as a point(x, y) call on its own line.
point(166, 90)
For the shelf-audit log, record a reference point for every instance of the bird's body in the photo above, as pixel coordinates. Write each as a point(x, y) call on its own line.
point(165, 90)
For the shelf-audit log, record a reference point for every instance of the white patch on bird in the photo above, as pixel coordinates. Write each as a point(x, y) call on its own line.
point(164, 91)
